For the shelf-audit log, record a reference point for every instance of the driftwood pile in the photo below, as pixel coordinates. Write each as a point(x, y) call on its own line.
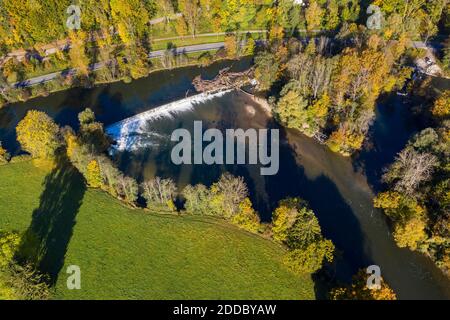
point(223, 81)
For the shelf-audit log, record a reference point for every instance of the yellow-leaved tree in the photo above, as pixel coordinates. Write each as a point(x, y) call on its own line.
point(77, 53)
point(441, 106)
point(93, 174)
point(359, 290)
point(38, 134)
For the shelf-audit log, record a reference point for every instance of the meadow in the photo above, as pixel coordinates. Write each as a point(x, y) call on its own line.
point(126, 253)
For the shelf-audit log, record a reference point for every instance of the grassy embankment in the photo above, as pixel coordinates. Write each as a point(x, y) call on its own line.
point(126, 253)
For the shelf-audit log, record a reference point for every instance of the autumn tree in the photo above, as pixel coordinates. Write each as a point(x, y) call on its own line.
point(227, 194)
point(106, 55)
point(410, 169)
point(4, 155)
point(415, 17)
point(359, 290)
point(310, 258)
point(130, 18)
point(247, 218)
point(38, 134)
point(77, 52)
point(417, 195)
point(441, 106)
point(197, 199)
point(231, 46)
point(250, 46)
point(18, 281)
point(226, 198)
point(314, 16)
point(191, 13)
point(295, 225)
point(159, 193)
point(93, 174)
point(410, 233)
point(127, 189)
point(284, 217)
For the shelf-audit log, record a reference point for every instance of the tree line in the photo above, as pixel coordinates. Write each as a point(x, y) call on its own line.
point(294, 225)
point(328, 89)
point(416, 197)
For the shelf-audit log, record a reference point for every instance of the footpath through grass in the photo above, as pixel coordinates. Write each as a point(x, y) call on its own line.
point(133, 254)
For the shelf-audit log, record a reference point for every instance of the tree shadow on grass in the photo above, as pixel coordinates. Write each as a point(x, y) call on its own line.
point(47, 238)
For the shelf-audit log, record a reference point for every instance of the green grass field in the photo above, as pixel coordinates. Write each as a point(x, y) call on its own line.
point(134, 254)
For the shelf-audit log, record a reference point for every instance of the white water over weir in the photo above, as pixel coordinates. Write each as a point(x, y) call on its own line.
point(131, 133)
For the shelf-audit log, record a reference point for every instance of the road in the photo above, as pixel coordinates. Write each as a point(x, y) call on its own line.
point(154, 54)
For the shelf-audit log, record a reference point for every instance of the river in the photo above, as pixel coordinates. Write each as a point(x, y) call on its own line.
point(339, 189)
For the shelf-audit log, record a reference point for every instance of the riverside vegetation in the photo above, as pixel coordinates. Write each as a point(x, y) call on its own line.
point(327, 89)
point(70, 154)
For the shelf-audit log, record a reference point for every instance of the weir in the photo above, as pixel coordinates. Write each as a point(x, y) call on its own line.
point(131, 132)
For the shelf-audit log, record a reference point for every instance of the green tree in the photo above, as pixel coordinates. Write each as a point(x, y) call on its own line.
point(267, 70)
point(92, 135)
point(86, 117)
point(304, 231)
point(291, 110)
point(197, 199)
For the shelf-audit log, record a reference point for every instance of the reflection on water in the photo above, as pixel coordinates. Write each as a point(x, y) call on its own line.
point(338, 189)
point(112, 102)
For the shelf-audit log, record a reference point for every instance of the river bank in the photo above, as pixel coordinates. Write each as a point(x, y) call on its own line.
point(337, 188)
point(373, 243)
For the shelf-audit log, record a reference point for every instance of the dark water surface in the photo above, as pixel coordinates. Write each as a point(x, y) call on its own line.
point(339, 189)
